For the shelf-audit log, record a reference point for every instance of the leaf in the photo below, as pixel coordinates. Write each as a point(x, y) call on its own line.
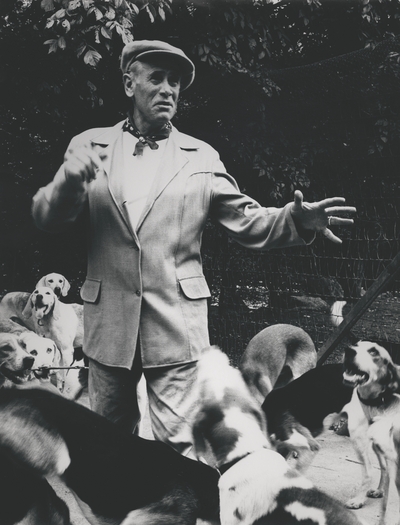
point(125, 23)
point(60, 13)
point(126, 37)
point(105, 32)
point(62, 44)
point(92, 57)
point(134, 7)
point(91, 86)
point(161, 12)
point(47, 5)
point(53, 45)
point(151, 12)
point(74, 4)
point(110, 14)
point(98, 14)
point(81, 49)
point(66, 25)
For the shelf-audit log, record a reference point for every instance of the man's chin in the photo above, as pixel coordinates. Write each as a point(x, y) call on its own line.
point(163, 115)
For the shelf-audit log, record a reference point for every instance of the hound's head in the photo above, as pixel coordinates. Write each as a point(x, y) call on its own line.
point(228, 417)
point(369, 366)
point(15, 362)
point(42, 302)
point(43, 350)
point(57, 282)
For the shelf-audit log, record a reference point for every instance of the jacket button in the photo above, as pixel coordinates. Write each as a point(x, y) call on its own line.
point(138, 293)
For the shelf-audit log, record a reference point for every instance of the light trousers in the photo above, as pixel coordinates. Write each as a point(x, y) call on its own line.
point(171, 394)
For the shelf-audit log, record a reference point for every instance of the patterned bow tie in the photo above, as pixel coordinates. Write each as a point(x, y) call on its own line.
point(146, 140)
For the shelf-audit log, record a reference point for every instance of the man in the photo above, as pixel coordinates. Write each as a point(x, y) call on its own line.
point(148, 190)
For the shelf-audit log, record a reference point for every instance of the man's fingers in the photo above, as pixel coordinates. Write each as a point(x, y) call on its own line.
point(83, 162)
point(329, 235)
point(331, 201)
point(340, 209)
point(95, 158)
point(339, 221)
point(298, 198)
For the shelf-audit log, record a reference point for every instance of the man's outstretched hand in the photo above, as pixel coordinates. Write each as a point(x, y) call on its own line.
point(319, 216)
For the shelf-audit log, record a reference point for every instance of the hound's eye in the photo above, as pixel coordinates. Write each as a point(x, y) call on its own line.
point(373, 351)
point(34, 353)
point(60, 281)
point(51, 280)
point(49, 350)
point(47, 293)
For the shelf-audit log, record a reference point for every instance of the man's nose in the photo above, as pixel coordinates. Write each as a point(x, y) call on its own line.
point(166, 88)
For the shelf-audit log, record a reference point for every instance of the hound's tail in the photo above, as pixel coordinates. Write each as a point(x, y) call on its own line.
point(337, 312)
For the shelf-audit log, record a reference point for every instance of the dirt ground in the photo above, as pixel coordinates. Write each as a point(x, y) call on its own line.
point(335, 470)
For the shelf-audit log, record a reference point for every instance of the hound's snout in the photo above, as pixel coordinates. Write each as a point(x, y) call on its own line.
point(39, 300)
point(28, 362)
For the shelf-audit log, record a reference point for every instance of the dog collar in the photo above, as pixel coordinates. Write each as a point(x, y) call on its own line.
point(226, 466)
point(376, 401)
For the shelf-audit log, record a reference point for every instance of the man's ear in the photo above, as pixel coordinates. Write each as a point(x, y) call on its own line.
point(129, 84)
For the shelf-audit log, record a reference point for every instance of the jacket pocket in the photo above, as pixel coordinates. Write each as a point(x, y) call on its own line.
point(195, 287)
point(90, 291)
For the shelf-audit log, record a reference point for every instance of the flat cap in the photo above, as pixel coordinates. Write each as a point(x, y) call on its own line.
point(145, 50)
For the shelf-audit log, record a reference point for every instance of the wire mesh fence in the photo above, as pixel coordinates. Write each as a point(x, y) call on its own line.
point(346, 110)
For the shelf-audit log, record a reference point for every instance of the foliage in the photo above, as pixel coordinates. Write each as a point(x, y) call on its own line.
point(61, 68)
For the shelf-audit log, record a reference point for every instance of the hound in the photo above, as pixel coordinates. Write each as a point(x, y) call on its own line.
point(43, 350)
point(57, 282)
point(15, 362)
point(58, 321)
point(300, 411)
point(374, 418)
point(114, 475)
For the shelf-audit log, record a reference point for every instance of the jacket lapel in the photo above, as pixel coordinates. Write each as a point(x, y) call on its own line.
point(111, 142)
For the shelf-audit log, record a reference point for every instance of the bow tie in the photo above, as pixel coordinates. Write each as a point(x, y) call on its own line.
point(146, 140)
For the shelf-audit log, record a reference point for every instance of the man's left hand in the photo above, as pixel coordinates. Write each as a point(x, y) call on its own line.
point(317, 216)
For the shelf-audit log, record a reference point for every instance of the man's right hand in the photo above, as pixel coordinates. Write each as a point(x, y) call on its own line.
point(81, 165)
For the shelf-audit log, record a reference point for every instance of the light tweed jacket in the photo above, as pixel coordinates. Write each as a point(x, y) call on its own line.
point(149, 283)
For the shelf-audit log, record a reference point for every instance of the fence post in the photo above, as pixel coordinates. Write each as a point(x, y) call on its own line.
point(379, 286)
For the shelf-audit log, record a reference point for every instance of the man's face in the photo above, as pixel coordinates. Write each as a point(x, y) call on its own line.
point(155, 91)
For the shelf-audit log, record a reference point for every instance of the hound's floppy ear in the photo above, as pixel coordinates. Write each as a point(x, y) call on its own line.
point(393, 377)
point(65, 288)
point(57, 356)
point(56, 309)
point(41, 282)
point(7, 346)
point(27, 311)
